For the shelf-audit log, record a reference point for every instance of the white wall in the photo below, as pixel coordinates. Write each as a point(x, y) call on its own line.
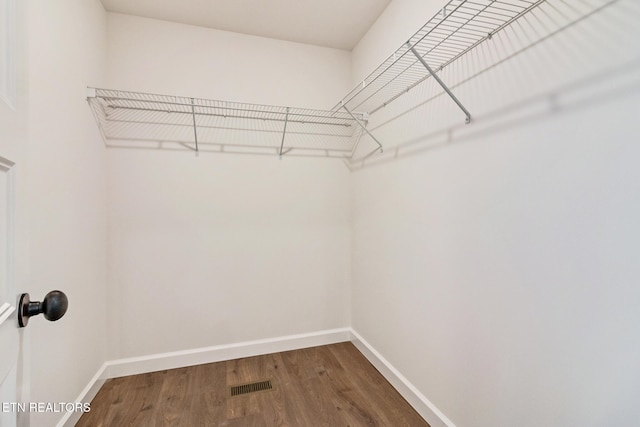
point(400, 20)
point(67, 195)
point(220, 249)
point(494, 265)
point(147, 55)
point(494, 271)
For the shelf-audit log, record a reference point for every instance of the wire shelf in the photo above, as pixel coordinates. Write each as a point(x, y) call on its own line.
point(143, 120)
point(459, 27)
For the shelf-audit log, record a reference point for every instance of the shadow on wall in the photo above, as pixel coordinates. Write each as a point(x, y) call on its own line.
point(592, 91)
point(524, 74)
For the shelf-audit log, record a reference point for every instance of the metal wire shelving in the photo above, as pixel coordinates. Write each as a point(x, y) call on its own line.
point(142, 120)
point(164, 121)
point(458, 28)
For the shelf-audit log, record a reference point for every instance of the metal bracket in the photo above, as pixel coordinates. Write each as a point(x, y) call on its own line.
point(355, 145)
point(195, 129)
point(284, 131)
point(440, 82)
point(364, 128)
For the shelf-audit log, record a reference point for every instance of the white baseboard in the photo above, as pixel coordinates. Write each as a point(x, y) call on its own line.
point(179, 359)
point(420, 403)
point(71, 418)
point(198, 356)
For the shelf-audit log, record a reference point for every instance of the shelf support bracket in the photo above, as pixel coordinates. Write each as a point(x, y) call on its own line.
point(284, 131)
point(195, 130)
point(364, 128)
point(440, 82)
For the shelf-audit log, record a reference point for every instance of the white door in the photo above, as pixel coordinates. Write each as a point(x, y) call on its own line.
point(9, 336)
point(13, 247)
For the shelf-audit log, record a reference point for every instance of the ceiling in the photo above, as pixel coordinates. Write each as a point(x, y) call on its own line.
point(338, 24)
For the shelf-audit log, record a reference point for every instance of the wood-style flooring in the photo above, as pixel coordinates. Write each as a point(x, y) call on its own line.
point(331, 386)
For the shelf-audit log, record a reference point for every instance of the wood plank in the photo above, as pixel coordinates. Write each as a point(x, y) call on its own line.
point(331, 385)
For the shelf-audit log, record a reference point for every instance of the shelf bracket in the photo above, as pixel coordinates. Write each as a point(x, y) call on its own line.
point(284, 131)
point(364, 128)
point(355, 145)
point(440, 82)
point(195, 129)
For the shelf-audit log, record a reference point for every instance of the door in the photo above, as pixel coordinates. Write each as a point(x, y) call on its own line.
point(13, 247)
point(9, 336)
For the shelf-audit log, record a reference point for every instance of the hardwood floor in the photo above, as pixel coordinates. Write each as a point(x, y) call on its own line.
point(331, 386)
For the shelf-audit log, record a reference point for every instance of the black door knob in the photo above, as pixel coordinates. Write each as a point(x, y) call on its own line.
point(54, 306)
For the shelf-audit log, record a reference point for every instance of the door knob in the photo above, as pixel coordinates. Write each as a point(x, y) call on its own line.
point(53, 306)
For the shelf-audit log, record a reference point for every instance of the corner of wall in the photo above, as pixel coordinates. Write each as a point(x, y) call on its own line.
point(416, 399)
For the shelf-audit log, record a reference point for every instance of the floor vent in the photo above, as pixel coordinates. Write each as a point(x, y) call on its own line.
point(238, 390)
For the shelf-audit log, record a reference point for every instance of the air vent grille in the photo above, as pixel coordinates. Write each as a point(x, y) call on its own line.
point(254, 387)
